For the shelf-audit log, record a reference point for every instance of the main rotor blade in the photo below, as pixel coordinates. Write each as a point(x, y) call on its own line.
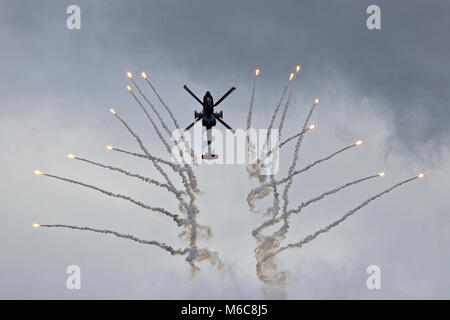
point(223, 122)
point(191, 125)
point(192, 94)
point(224, 96)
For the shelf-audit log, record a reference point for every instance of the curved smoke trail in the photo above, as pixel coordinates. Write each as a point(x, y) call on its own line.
point(277, 108)
point(189, 209)
point(268, 245)
point(186, 144)
point(163, 124)
point(161, 245)
point(191, 230)
point(162, 101)
point(175, 217)
point(127, 173)
point(252, 99)
point(343, 218)
point(254, 169)
point(288, 102)
point(315, 163)
point(159, 134)
point(151, 158)
point(295, 158)
point(333, 191)
point(287, 214)
point(294, 136)
point(263, 190)
point(147, 153)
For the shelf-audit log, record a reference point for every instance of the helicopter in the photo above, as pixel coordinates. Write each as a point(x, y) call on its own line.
point(209, 117)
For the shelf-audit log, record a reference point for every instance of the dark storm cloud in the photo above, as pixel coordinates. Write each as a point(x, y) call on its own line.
point(405, 64)
point(56, 86)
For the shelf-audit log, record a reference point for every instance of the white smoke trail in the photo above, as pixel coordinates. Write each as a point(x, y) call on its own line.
point(315, 163)
point(152, 122)
point(191, 151)
point(134, 175)
point(260, 192)
point(252, 99)
point(162, 102)
point(152, 158)
point(163, 124)
point(275, 205)
point(191, 230)
point(294, 161)
point(274, 116)
point(343, 218)
point(291, 169)
point(287, 214)
point(200, 254)
point(175, 167)
point(147, 153)
point(333, 191)
point(300, 138)
point(286, 106)
point(287, 140)
point(264, 189)
point(189, 209)
point(267, 246)
point(161, 245)
point(252, 168)
point(174, 217)
point(192, 184)
point(277, 108)
point(294, 136)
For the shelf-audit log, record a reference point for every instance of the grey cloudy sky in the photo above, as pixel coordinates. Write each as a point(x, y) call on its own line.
point(389, 87)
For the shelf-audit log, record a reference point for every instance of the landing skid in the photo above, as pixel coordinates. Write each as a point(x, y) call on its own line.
point(210, 156)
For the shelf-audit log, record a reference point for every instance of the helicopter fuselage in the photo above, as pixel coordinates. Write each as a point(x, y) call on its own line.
point(209, 116)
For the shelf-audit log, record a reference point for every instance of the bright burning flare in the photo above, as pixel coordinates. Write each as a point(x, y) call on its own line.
point(128, 88)
point(71, 156)
point(112, 111)
point(420, 175)
point(316, 100)
point(359, 142)
point(38, 172)
point(256, 72)
point(298, 68)
point(129, 75)
point(381, 174)
point(144, 75)
point(311, 127)
point(36, 225)
point(291, 76)
point(110, 147)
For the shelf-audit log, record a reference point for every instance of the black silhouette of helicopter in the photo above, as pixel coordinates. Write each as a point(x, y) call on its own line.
point(208, 116)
